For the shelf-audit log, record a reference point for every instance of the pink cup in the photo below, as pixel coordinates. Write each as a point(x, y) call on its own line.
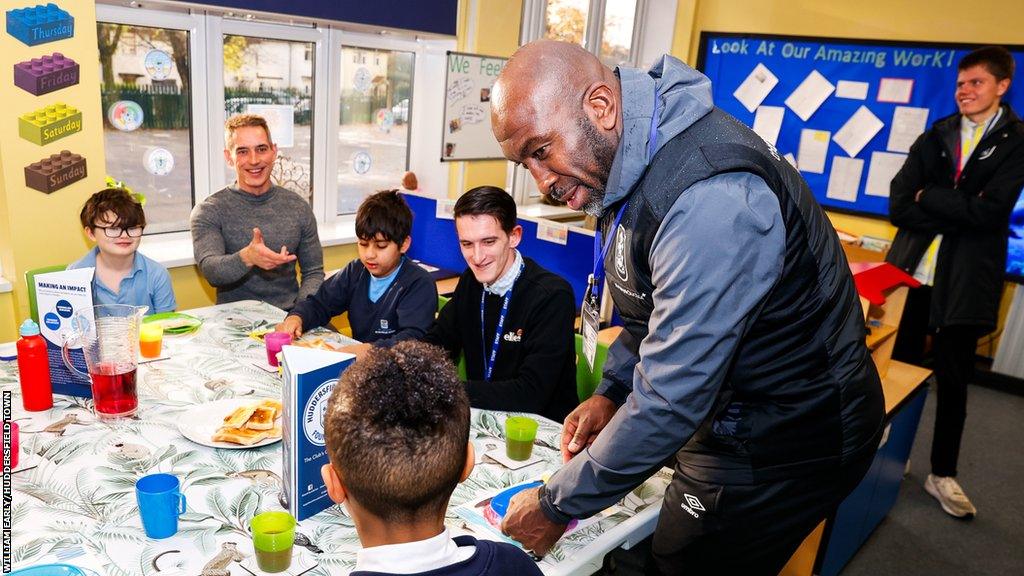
point(275, 341)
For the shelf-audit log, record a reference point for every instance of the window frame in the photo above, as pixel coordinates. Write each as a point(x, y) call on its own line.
point(206, 37)
point(219, 27)
point(199, 92)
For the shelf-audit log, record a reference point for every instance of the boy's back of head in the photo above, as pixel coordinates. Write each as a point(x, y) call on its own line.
point(384, 214)
point(397, 427)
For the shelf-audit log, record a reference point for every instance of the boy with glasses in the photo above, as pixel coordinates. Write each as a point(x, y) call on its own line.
point(113, 219)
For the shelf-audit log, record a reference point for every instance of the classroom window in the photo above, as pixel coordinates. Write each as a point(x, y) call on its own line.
point(373, 131)
point(147, 124)
point(617, 32)
point(274, 78)
point(566, 20)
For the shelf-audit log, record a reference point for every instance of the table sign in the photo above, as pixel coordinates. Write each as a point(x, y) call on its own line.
point(309, 377)
point(59, 296)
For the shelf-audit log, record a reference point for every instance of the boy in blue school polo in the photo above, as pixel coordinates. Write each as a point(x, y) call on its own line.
point(114, 220)
point(397, 434)
point(388, 299)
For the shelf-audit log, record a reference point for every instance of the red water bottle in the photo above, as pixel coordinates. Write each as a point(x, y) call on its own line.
point(34, 369)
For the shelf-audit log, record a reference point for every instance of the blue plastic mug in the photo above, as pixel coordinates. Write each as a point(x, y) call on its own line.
point(160, 504)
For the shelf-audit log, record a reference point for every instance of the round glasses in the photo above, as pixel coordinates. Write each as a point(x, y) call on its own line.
point(115, 232)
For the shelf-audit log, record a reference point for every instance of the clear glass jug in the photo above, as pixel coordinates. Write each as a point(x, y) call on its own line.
point(109, 337)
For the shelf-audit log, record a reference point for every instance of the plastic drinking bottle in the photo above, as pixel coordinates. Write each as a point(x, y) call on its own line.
point(34, 369)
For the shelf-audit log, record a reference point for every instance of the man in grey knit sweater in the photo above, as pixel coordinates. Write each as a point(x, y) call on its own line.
point(248, 237)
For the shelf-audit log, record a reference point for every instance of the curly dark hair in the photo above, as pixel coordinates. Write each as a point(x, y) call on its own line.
point(127, 210)
point(396, 427)
point(384, 214)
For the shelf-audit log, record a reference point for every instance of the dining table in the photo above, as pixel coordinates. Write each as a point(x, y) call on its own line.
point(72, 495)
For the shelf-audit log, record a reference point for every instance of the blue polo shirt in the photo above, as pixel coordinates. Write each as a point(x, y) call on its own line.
point(148, 284)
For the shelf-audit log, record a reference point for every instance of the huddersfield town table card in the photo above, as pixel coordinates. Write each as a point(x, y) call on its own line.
point(310, 376)
point(59, 297)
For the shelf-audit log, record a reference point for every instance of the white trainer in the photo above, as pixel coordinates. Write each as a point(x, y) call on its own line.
point(947, 491)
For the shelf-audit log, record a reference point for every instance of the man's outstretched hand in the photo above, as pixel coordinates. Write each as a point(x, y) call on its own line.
point(257, 254)
point(526, 523)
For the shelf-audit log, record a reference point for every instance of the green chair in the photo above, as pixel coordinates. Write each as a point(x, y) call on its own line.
point(587, 379)
point(30, 283)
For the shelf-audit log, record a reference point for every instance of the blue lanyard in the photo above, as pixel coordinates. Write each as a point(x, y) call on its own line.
point(489, 359)
point(596, 280)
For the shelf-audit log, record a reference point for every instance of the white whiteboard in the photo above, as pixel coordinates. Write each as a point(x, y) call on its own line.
point(467, 108)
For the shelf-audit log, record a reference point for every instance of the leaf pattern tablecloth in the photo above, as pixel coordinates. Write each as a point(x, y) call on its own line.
point(74, 490)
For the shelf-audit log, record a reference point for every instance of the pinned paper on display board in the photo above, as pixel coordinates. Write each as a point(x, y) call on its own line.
point(768, 122)
point(810, 95)
point(756, 87)
point(158, 64)
point(844, 179)
point(125, 115)
point(907, 124)
point(895, 90)
point(858, 131)
point(852, 90)
point(884, 167)
point(159, 161)
point(813, 150)
point(280, 119)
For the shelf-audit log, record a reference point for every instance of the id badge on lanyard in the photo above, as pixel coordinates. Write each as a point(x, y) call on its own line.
point(590, 317)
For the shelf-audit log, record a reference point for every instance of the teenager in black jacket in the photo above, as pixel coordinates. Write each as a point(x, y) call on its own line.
point(957, 189)
point(522, 359)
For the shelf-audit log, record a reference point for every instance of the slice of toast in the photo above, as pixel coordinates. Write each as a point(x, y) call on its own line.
point(240, 416)
point(271, 403)
point(243, 436)
point(274, 432)
point(262, 419)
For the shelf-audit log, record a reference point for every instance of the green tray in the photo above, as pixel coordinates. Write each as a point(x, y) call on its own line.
point(175, 322)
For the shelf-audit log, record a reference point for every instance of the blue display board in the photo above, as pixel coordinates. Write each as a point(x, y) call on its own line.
point(728, 59)
point(917, 75)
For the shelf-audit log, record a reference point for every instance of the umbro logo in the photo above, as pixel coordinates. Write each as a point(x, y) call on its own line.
point(986, 153)
point(692, 505)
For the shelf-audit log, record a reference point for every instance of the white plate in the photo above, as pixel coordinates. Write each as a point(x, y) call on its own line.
point(199, 423)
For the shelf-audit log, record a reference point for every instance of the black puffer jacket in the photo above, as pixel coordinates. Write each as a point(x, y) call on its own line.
point(972, 215)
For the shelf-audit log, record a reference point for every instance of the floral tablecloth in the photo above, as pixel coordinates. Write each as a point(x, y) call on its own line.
point(73, 492)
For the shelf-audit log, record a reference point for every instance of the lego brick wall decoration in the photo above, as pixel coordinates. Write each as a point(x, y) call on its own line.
point(40, 24)
point(55, 172)
point(40, 76)
point(50, 123)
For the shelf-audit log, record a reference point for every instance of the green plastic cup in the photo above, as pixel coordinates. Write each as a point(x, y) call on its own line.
point(519, 434)
point(273, 535)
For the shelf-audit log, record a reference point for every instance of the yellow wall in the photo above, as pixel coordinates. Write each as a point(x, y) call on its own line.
point(921, 20)
point(38, 229)
point(493, 31)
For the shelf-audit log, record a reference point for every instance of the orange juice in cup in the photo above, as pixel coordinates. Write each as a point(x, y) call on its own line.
point(151, 337)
